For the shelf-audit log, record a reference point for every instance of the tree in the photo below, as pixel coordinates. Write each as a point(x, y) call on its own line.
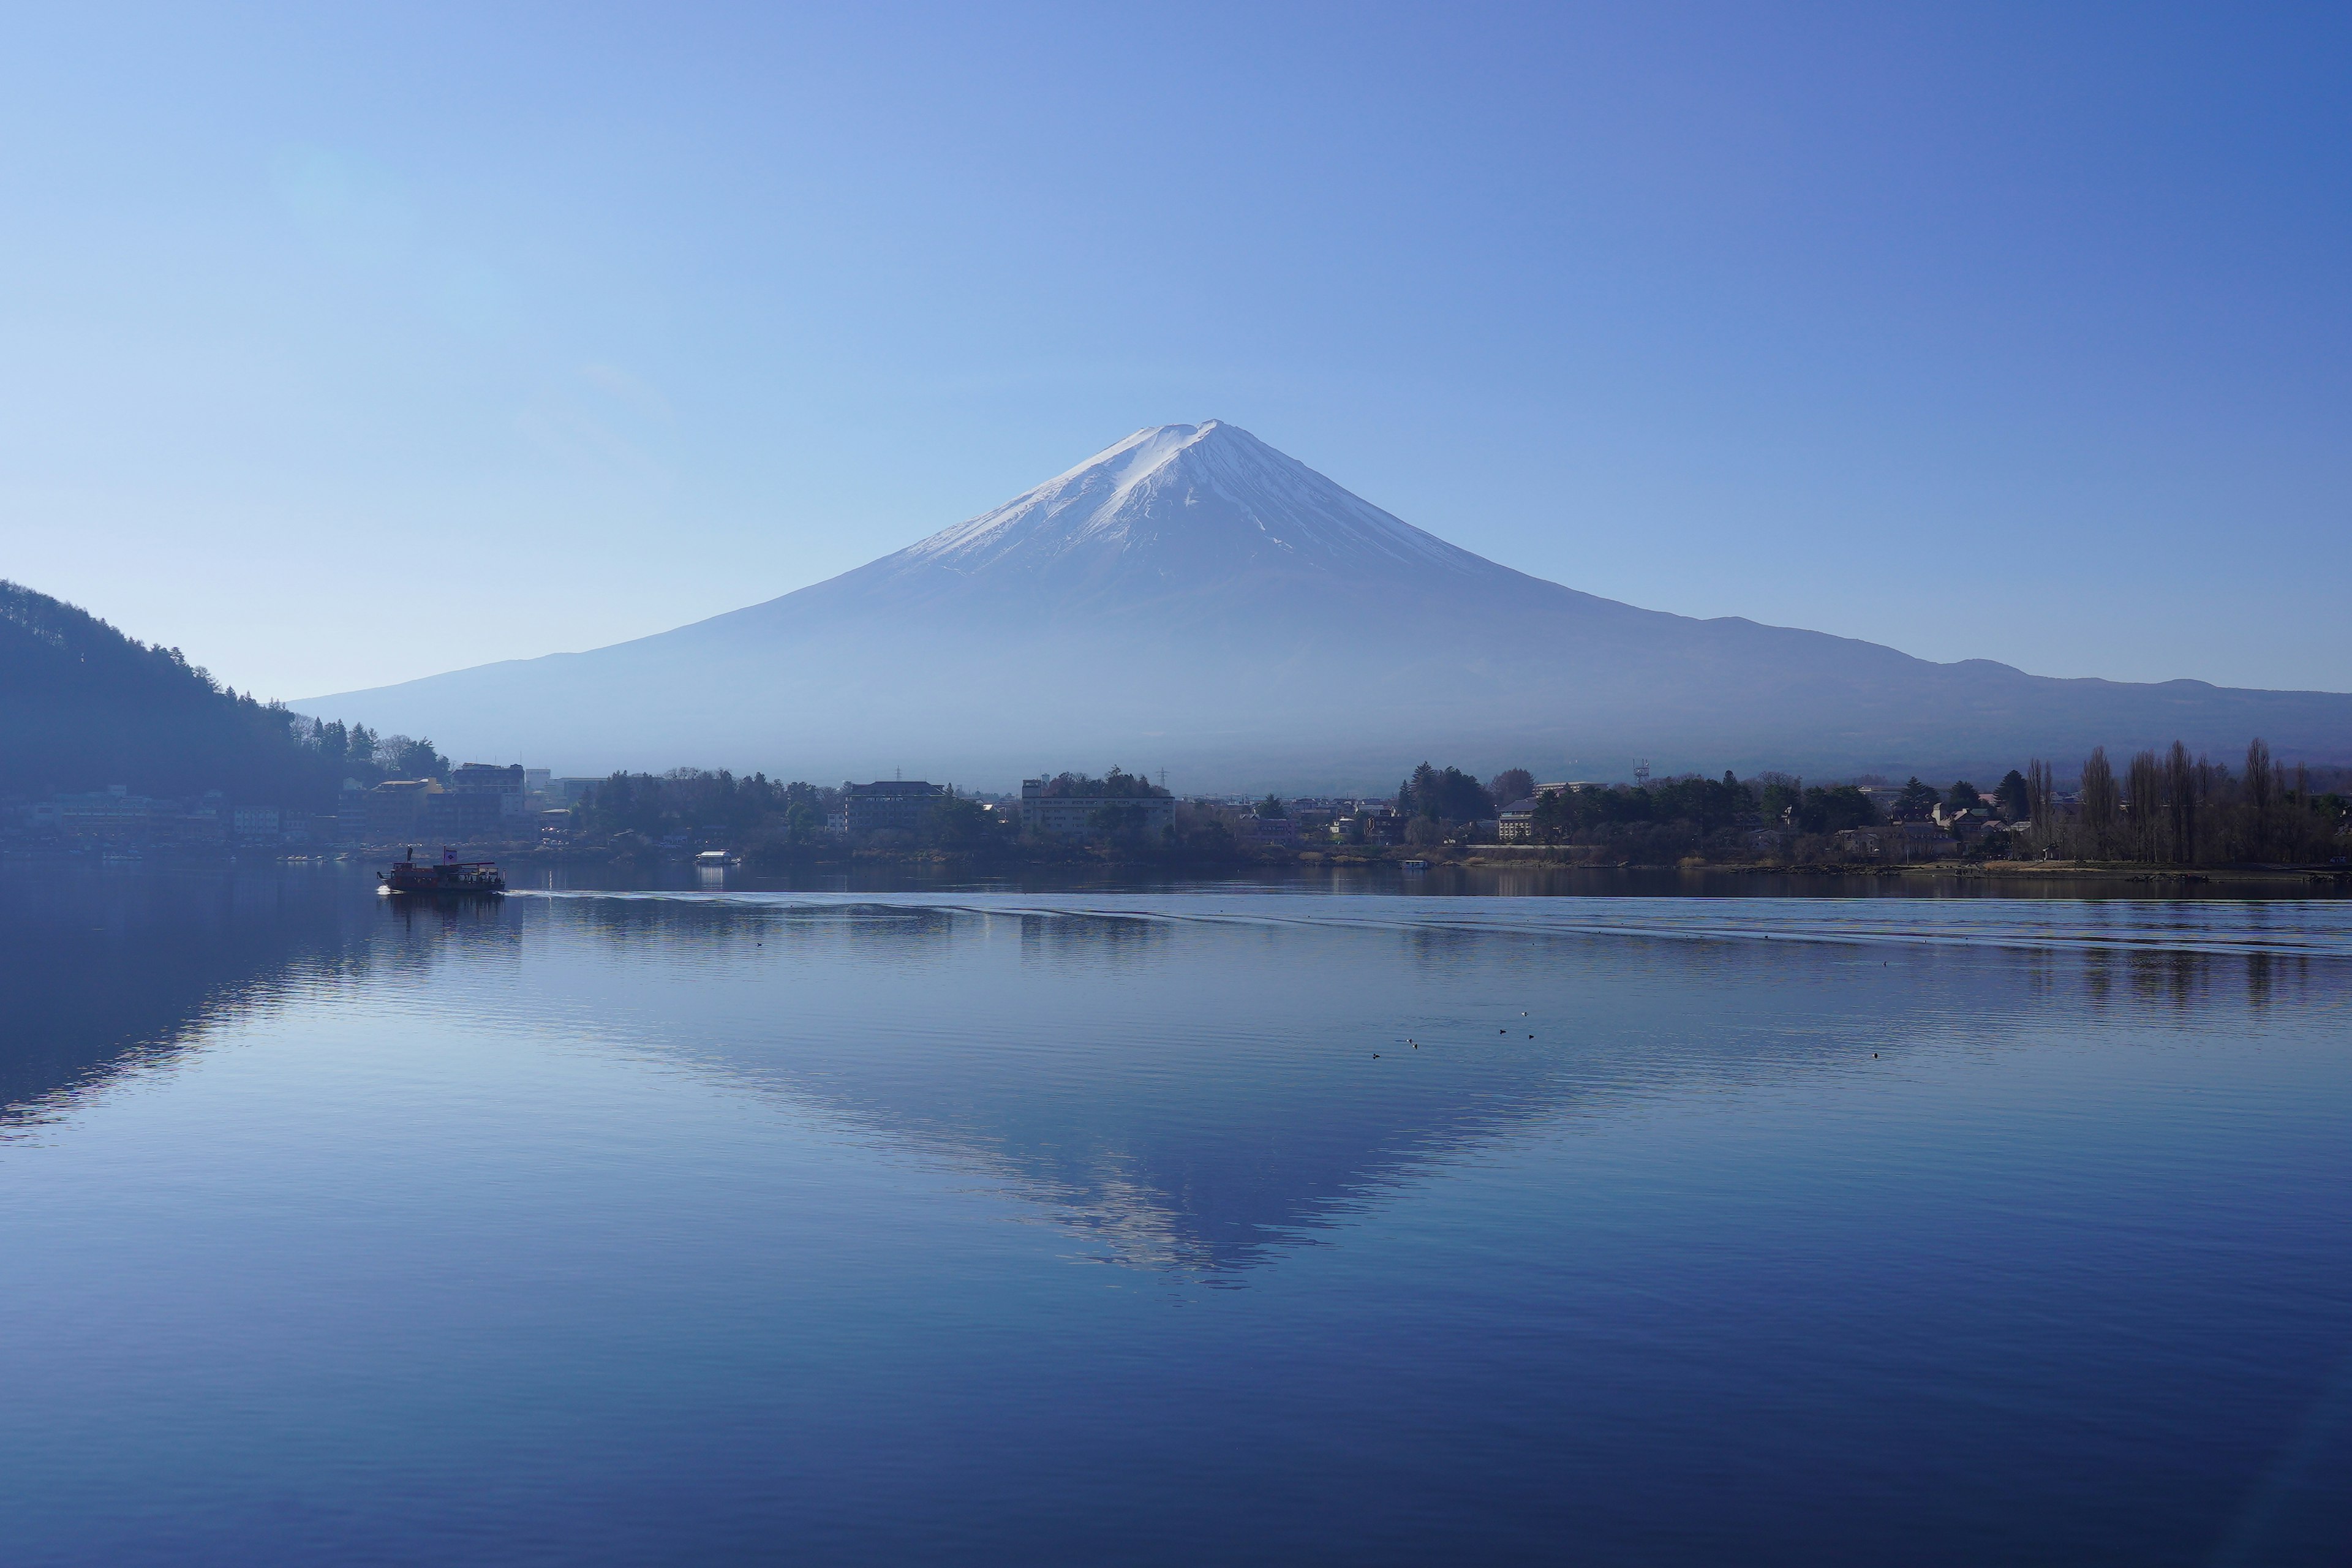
point(1116, 821)
point(403, 758)
point(1114, 785)
point(1835, 809)
point(83, 707)
point(1779, 797)
point(2262, 800)
point(1963, 796)
point(1510, 786)
point(2102, 805)
point(953, 822)
point(1271, 808)
point(2144, 806)
point(2016, 802)
point(1916, 801)
point(2042, 802)
point(1451, 795)
point(1551, 820)
point(2182, 787)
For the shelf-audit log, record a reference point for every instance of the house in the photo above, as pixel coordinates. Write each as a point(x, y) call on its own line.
point(1898, 841)
point(1258, 829)
point(899, 803)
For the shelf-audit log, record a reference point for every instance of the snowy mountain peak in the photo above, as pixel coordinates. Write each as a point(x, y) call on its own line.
point(1185, 507)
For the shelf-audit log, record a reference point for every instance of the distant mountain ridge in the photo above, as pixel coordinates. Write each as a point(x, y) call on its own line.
point(1190, 597)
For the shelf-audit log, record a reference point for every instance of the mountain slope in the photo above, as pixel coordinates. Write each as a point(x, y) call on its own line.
point(83, 707)
point(1190, 597)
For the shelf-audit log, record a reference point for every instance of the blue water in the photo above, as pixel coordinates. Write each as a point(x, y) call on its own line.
point(1208, 1225)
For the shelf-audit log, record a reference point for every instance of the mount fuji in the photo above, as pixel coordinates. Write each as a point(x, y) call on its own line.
point(1191, 598)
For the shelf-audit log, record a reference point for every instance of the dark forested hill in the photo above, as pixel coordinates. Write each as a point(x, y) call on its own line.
point(83, 707)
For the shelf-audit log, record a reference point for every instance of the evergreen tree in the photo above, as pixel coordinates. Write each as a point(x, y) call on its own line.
point(2013, 798)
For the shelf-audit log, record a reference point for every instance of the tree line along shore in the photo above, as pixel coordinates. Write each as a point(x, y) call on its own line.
point(2161, 810)
point(85, 708)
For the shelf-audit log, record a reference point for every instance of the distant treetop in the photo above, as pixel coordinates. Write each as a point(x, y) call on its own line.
point(1113, 785)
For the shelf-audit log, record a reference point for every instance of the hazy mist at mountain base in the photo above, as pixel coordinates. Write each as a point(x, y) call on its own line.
point(1194, 600)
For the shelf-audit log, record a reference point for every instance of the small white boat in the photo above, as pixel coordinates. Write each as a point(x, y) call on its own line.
point(715, 858)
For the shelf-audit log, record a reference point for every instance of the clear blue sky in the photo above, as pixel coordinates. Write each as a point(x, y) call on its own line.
point(2022, 333)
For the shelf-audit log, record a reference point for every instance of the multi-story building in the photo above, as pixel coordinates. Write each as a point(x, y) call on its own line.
point(1515, 824)
point(900, 804)
point(1074, 815)
point(397, 808)
point(508, 783)
point(351, 813)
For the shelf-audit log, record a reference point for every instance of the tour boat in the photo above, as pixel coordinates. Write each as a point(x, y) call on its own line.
point(452, 878)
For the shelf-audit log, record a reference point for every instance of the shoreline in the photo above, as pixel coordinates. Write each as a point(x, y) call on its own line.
point(1445, 857)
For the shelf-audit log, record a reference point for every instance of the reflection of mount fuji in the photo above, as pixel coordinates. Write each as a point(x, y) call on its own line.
point(1190, 1085)
point(1193, 1093)
point(1192, 597)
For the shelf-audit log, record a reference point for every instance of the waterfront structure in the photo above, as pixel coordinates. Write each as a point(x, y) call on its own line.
point(1516, 822)
point(899, 803)
point(1076, 817)
point(1254, 828)
point(508, 783)
point(1898, 841)
point(396, 808)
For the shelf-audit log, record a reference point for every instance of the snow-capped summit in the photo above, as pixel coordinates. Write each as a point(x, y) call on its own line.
point(1190, 597)
point(1189, 505)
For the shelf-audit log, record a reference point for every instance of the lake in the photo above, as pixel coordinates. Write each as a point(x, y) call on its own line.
point(1382, 1221)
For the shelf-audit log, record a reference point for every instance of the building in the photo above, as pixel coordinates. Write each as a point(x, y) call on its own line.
point(506, 784)
point(1516, 822)
point(111, 813)
point(1898, 841)
point(898, 803)
point(395, 810)
point(569, 792)
point(471, 814)
point(1073, 815)
point(1254, 828)
point(351, 813)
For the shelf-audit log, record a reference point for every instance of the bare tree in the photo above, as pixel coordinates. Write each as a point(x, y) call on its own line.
point(2262, 801)
point(2144, 806)
point(2041, 805)
point(2099, 804)
point(2179, 806)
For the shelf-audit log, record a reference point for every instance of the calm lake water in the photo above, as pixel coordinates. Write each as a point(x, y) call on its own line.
point(1208, 1225)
